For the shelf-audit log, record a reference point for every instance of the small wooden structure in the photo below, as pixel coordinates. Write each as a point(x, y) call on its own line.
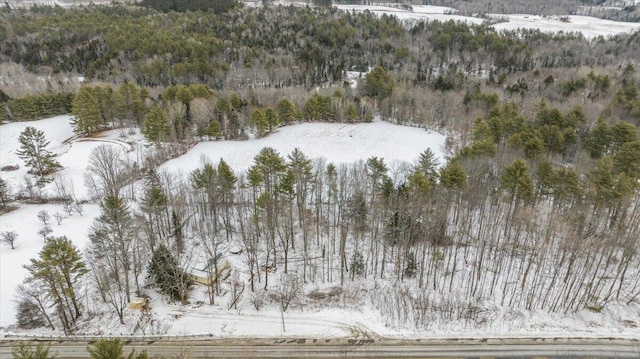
point(207, 274)
point(139, 304)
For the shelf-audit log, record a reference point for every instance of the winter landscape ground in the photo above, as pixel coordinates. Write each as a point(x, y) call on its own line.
point(337, 143)
point(321, 309)
point(589, 27)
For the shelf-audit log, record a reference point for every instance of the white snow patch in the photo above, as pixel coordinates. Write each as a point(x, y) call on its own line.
point(423, 12)
point(73, 152)
point(335, 142)
point(589, 27)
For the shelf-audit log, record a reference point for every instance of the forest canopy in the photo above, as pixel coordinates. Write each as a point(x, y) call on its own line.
point(217, 6)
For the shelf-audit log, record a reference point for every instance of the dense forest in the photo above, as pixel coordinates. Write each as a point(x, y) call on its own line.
point(536, 208)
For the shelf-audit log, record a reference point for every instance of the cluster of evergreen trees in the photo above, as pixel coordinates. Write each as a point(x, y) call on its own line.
point(276, 46)
point(35, 107)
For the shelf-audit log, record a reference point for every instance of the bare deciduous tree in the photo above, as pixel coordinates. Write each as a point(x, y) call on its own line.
point(106, 172)
point(9, 238)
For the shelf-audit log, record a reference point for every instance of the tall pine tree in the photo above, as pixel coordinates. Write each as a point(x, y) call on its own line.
point(59, 268)
point(33, 150)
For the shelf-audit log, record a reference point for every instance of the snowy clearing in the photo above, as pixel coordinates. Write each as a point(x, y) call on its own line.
point(25, 223)
point(423, 12)
point(589, 27)
point(73, 152)
point(336, 142)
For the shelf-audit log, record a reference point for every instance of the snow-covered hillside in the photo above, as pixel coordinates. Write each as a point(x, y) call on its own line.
point(354, 316)
point(337, 143)
point(73, 152)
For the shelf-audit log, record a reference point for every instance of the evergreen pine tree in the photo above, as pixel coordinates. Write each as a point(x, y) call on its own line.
point(112, 349)
point(185, 95)
point(352, 113)
point(259, 121)
point(165, 273)
point(5, 195)
point(453, 175)
point(112, 236)
point(60, 268)
point(598, 140)
point(377, 84)
point(516, 180)
point(106, 349)
point(272, 118)
point(33, 150)
point(287, 111)
point(155, 125)
point(627, 159)
point(214, 129)
point(88, 108)
point(27, 351)
point(428, 164)
point(226, 186)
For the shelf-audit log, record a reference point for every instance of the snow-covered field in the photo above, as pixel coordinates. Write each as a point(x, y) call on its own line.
point(420, 12)
point(335, 142)
point(589, 27)
point(25, 223)
point(73, 153)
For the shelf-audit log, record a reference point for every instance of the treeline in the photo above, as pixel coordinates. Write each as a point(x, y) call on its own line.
point(35, 107)
point(184, 113)
point(276, 46)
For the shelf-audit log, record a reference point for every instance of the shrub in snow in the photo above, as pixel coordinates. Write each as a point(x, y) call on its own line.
point(9, 238)
point(59, 217)
point(44, 217)
point(257, 299)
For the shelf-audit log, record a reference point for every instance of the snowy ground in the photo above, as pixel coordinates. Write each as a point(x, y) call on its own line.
point(73, 152)
point(24, 221)
point(338, 143)
point(335, 142)
point(420, 12)
point(590, 27)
